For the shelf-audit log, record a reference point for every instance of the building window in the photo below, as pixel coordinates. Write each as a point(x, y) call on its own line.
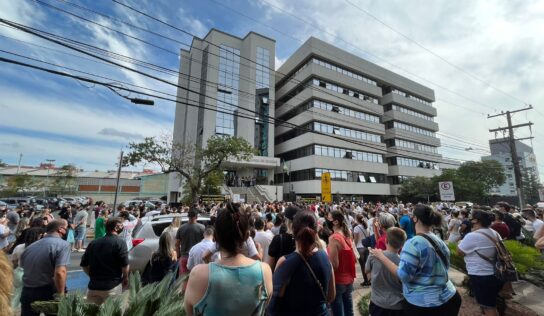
point(346, 132)
point(228, 83)
point(262, 68)
point(410, 128)
point(402, 109)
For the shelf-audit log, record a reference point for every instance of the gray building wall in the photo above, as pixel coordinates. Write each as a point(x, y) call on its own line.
point(500, 151)
point(338, 68)
point(203, 63)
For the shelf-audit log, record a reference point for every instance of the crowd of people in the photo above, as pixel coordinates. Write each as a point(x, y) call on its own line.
point(275, 258)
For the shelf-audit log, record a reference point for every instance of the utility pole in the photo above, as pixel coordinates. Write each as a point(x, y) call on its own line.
point(117, 184)
point(513, 151)
point(19, 163)
point(49, 165)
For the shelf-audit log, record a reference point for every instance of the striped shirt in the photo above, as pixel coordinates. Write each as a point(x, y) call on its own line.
point(423, 275)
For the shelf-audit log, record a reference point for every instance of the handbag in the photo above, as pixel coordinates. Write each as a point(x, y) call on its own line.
point(503, 265)
point(438, 252)
point(70, 236)
point(315, 278)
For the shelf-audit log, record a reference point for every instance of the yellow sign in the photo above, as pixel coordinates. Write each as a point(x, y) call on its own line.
point(326, 187)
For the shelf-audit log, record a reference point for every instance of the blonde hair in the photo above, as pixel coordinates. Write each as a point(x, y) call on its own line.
point(176, 222)
point(6, 286)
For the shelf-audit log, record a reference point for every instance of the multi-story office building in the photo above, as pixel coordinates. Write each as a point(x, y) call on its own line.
point(500, 151)
point(235, 77)
point(369, 127)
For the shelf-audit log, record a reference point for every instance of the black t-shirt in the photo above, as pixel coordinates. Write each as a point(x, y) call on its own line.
point(189, 235)
point(105, 258)
point(281, 245)
point(513, 225)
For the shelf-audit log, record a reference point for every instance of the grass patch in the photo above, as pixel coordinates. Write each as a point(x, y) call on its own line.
point(362, 305)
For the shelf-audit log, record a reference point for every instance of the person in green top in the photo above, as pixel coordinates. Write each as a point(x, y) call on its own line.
point(100, 224)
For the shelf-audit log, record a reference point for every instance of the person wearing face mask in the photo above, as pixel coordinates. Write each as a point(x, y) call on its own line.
point(106, 262)
point(44, 263)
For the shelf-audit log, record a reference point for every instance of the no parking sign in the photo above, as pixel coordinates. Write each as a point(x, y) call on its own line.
point(446, 191)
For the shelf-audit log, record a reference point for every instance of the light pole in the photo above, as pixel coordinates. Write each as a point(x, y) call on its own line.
point(49, 164)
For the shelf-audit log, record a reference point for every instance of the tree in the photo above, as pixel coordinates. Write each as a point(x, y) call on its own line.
point(416, 189)
point(21, 183)
point(471, 182)
point(531, 186)
point(64, 180)
point(192, 163)
point(2, 164)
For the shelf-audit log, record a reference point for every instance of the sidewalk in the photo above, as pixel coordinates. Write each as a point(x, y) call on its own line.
point(529, 300)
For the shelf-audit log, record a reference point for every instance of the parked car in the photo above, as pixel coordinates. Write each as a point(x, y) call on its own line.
point(11, 203)
point(145, 237)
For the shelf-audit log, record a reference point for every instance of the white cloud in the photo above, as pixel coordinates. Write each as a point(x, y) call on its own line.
point(118, 133)
point(278, 62)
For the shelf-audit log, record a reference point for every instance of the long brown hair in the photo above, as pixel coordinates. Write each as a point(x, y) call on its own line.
point(338, 216)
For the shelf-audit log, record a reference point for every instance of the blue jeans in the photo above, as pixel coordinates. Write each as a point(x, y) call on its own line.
point(343, 303)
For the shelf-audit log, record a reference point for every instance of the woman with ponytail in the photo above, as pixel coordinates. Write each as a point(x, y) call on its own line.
point(423, 269)
point(343, 262)
point(303, 280)
point(234, 285)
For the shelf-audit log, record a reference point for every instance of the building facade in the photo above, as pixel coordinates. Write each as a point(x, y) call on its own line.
point(500, 151)
point(231, 82)
point(369, 127)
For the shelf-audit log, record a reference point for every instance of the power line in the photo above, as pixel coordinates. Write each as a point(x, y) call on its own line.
point(473, 76)
point(2, 59)
point(347, 43)
point(143, 29)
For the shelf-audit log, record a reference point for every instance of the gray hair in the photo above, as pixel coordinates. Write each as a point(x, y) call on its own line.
point(387, 220)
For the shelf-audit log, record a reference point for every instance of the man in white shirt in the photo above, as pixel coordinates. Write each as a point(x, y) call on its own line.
point(536, 223)
point(198, 250)
point(264, 238)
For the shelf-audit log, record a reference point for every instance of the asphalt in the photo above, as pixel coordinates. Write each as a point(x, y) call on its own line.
point(77, 280)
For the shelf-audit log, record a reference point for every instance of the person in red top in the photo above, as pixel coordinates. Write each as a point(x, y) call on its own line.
point(385, 221)
point(499, 226)
point(343, 263)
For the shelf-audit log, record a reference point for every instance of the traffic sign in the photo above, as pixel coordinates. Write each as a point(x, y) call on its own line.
point(446, 191)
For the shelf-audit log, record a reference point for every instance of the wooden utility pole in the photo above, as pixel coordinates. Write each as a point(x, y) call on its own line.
point(513, 151)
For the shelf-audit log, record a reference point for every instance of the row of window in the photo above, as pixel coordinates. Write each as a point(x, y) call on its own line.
point(406, 144)
point(411, 97)
point(344, 71)
point(328, 151)
point(409, 162)
point(410, 128)
point(262, 70)
point(345, 111)
point(335, 152)
point(229, 66)
point(347, 132)
point(410, 112)
point(336, 175)
point(352, 93)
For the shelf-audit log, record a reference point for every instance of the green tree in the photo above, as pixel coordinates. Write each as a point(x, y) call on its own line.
point(192, 163)
point(64, 180)
point(21, 183)
point(2, 164)
point(417, 189)
point(471, 182)
point(531, 186)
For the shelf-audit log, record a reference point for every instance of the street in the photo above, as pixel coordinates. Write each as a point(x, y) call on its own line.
point(77, 280)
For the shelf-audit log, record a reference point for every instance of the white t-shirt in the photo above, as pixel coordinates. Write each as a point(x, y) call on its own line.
point(17, 252)
point(264, 238)
point(371, 225)
point(3, 240)
point(359, 229)
point(537, 224)
point(475, 241)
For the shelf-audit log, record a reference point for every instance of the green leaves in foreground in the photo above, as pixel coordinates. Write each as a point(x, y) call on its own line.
point(163, 298)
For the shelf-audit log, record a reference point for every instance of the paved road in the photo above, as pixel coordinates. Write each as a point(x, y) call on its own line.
point(77, 279)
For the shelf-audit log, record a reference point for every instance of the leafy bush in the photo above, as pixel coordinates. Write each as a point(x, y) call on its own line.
point(456, 260)
point(362, 305)
point(164, 298)
point(525, 257)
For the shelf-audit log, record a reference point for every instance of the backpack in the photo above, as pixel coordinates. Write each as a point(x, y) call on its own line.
point(503, 264)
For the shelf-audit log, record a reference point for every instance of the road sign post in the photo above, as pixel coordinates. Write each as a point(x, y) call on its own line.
point(446, 191)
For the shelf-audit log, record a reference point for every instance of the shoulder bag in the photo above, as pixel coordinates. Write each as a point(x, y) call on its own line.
point(315, 278)
point(438, 252)
point(503, 264)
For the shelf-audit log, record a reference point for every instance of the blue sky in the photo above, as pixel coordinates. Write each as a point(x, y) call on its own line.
point(496, 43)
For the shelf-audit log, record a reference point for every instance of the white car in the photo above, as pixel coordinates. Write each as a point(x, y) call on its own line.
point(145, 237)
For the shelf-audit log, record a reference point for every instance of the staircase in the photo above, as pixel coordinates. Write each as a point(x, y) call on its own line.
point(250, 194)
